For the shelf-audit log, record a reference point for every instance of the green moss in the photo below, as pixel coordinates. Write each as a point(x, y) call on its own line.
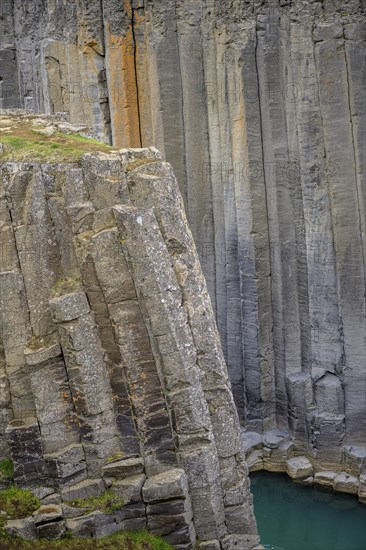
point(126, 540)
point(140, 539)
point(6, 469)
point(56, 148)
point(65, 286)
point(117, 456)
point(106, 503)
point(18, 503)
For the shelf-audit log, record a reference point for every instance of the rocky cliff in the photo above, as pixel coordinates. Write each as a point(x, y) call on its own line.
point(112, 374)
point(260, 107)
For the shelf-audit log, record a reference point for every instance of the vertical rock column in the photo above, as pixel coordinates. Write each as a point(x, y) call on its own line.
point(53, 401)
point(121, 72)
point(20, 437)
point(87, 377)
point(9, 85)
point(160, 298)
point(98, 301)
point(137, 360)
point(15, 333)
point(154, 186)
point(347, 223)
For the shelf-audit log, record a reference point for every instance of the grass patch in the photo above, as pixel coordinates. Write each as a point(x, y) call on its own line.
point(107, 503)
point(65, 286)
point(22, 144)
point(6, 469)
point(18, 503)
point(127, 540)
point(83, 139)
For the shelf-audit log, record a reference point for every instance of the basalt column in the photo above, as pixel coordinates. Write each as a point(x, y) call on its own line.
point(260, 108)
point(111, 364)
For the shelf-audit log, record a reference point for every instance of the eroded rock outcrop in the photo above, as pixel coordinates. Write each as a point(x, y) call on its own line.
point(112, 374)
point(259, 106)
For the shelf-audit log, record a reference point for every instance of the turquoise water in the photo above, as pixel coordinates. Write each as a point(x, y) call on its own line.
point(294, 517)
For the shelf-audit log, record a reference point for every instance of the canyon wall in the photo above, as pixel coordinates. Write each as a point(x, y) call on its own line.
point(259, 105)
point(112, 373)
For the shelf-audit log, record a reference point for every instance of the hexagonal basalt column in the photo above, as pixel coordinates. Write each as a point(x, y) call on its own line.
point(25, 444)
point(169, 510)
point(88, 377)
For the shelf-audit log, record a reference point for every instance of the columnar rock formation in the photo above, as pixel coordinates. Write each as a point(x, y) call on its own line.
point(111, 365)
point(260, 107)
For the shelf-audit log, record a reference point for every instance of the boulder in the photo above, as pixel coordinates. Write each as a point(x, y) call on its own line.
point(47, 513)
point(345, 483)
point(299, 467)
point(24, 528)
point(165, 486)
point(325, 478)
point(130, 488)
point(52, 531)
point(123, 468)
point(84, 489)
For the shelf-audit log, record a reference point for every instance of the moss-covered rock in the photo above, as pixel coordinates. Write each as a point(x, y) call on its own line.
point(120, 541)
point(107, 503)
point(18, 503)
point(6, 469)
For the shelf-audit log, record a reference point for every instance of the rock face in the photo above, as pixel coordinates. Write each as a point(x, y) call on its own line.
point(260, 108)
point(112, 374)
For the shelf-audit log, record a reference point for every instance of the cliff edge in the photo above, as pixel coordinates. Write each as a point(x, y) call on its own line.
point(112, 374)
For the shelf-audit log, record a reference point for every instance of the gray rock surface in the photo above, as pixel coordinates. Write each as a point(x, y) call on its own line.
point(346, 483)
point(259, 107)
point(165, 486)
point(116, 379)
point(130, 489)
point(24, 528)
point(299, 467)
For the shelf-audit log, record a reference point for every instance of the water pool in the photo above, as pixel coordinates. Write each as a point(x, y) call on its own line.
point(295, 517)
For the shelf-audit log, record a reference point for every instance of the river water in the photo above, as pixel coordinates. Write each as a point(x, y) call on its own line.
point(295, 517)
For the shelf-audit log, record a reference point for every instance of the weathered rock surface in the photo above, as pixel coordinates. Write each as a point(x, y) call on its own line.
point(24, 528)
point(116, 378)
point(299, 467)
point(275, 451)
point(346, 483)
point(259, 107)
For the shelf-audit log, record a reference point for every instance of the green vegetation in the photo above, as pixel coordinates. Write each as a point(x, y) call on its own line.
point(127, 540)
point(18, 503)
point(106, 503)
point(6, 469)
point(24, 145)
point(82, 139)
point(112, 458)
point(65, 286)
